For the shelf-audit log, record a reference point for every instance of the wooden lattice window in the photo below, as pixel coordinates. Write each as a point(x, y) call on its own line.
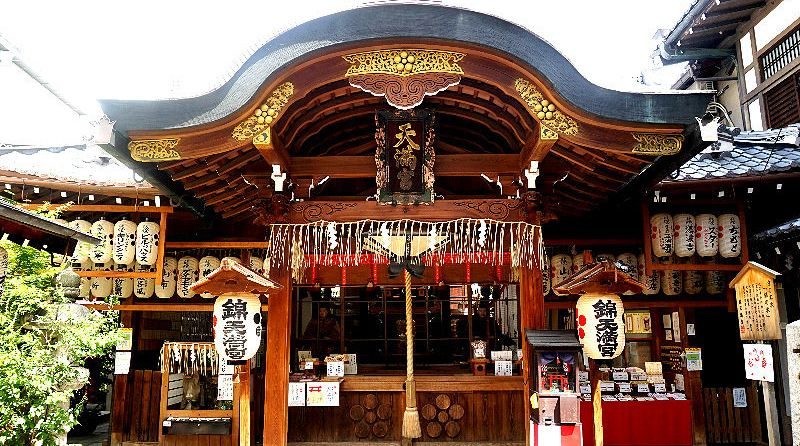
point(782, 102)
point(781, 55)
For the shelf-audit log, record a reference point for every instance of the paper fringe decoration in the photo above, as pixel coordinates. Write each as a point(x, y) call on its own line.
point(482, 241)
point(191, 357)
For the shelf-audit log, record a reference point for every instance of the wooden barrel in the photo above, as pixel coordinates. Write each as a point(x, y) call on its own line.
point(380, 429)
point(428, 412)
point(456, 411)
point(443, 401)
point(443, 417)
point(370, 417)
point(361, 429)
point(370, 401)
point(357, 412)
point(385, 411)
point(433, 429)
point(452, 429)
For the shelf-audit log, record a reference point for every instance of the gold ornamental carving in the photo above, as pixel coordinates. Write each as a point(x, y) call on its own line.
point(657, 144)
point(257, 126)
point(545, 111)
point(404, 76)
point(154, 150)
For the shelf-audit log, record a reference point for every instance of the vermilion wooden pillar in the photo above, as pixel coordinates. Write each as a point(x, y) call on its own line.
point(276, 394)
point(531, 315)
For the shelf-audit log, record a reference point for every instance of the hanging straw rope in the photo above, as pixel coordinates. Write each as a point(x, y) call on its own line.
point(411, 426)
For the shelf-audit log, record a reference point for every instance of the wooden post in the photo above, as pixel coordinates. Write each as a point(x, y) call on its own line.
point(276, 391)
point(243, 371)
point(693, 383)
point(771, 413)
point(531, 309)
point(597, 402)
point(119, 395)
point(162, 244)
point(162, 413)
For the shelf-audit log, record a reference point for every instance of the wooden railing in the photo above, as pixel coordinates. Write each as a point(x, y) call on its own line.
point(728, 424)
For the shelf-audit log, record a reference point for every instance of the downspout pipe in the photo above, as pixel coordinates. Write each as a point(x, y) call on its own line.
point(118, 148)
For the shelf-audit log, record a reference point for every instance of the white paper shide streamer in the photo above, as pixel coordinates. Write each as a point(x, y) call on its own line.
point(661, 233)
point(124, 249)
point(188, 272)
point(706, 235)
point(104, 230)
point(165, 288)
point(147, 242)
point(684, 225)
point(730, 237)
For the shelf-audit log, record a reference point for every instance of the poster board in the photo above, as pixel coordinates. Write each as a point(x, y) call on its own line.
point(757, 303)
point(758, 364)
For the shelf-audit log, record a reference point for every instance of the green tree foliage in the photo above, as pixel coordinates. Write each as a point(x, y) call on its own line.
point(44, 342)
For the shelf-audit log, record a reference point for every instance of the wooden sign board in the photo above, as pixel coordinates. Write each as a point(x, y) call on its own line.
point(757, 303)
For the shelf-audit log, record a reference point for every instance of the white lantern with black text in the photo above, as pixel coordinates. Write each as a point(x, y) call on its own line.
point(82, 249)
point(104, 230)
point(730, 237)
point(122, 287)
point(706, 235)
point(237, 326)
point(233, 259)
point(631, 262)
point(124, 242)
point(147, 242)
point(267, 265)
point(661, 231)
point(560, 269)
point(671, 282)
point(545, 275)
point(188, 272)
point(650, 284)
point(715, 282)
point(207, 265)
point(577, 262)
point(601, 328)
point(684, 234)
point(165, 288)
point(100, 287)
point(256, 264)
point(143, 288)
point(693, 282)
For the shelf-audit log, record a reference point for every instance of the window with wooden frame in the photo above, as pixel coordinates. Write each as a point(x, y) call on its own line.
point(782, 102)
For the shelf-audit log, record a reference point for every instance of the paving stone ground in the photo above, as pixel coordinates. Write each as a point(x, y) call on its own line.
point(98, 438)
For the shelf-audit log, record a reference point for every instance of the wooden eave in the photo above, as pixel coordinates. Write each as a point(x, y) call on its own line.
point(600, 277)
point(753, 266)
point(233, 277)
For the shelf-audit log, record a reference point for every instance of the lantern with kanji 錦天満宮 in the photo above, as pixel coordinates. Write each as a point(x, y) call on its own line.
point(601, 328)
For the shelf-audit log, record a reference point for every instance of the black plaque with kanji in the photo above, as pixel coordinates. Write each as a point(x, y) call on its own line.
point(404, 156)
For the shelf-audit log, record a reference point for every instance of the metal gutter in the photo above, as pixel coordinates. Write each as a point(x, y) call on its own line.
point(686, 21)
point(51, 227)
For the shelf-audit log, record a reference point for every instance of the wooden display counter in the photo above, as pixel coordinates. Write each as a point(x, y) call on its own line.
point(452, 408)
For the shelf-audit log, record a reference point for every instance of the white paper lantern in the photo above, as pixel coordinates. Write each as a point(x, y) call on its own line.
point(143, 288)
point(237, 326)
point(630, 260)
point(560, 269)
point(684, 234)
point(122, 287)
point(82, 249)
point(601, 328)
point(602, 257)
point(100, 287)
point(715, 282)
point(147, 243)
point(188, 272)
point(671, 282)
point(693, 282)
point(233, 259)
point(165, 288)
point(730, 236)
point(104, 230)
point(267, 265)
point(124, 242)
point(706, 234)
point(207, 265)
point(546, 275)
point(256, 264)
point(652, 283)
point(661, 234)
point(577, 262)
point(3, 269)
point(84, 288)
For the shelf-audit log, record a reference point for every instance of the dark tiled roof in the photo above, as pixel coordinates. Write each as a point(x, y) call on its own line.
point(405, 21)
point(750, 154)
point(789, 228)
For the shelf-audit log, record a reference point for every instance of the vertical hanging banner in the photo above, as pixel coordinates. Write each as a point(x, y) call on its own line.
point(405, 155)
point(237, 326)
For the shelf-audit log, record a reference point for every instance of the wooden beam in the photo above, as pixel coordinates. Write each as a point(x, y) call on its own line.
point(275, 153)
point(441, 210)
point(111, 208)
point(84, 189)
point(153, 307)
point(218, 245)
point(364, 166)
point(536, 148)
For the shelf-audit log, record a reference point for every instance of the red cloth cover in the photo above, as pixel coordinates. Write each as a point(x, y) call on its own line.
point(640, 423)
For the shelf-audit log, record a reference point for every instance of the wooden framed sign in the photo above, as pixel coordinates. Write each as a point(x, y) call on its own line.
point(757, 303)
point(404, 156)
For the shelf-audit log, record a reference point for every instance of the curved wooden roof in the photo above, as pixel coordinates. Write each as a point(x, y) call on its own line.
point(485, 126)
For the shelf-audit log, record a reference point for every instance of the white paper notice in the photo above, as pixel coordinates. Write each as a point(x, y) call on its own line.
point(224, 367)
point(322, 393)
point(660, 388)
point(122, 363)
point(680, 383)
point(351, 366)
point(739, 397)
point(502, 368)
point(758, 362)
point(225, 388)
point(336, 368)
point(297, 394)
point(585, 389)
